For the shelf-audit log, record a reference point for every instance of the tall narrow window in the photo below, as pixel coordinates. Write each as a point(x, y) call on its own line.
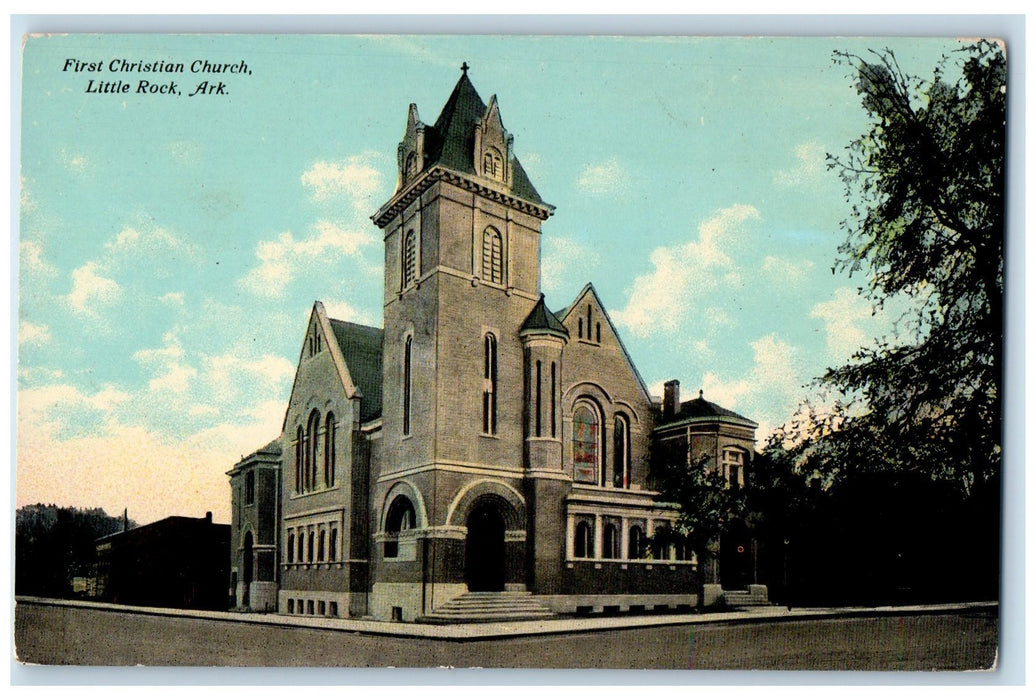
point(250, 488)
point(584, 544)
point(313, 445)
point(329, 450)
point(553, 399)
point(489, 385)
point(407, 362)
point(492, 256)
point(598, 331)
point(291, 547)
point(320, 547)
point(621, 453)
point(585, 443)
point(306, 485)
point(332, 549)
point(636, 543)
point(309, 546)
point(298, 460)
point(409, 259)
point(302, 547)
point(539, 399)
point(580, 327)
point(610, 550)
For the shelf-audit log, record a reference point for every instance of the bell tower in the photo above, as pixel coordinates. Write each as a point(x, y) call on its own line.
point(462, 254)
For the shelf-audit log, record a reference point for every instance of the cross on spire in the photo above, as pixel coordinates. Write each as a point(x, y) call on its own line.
point(464, 67)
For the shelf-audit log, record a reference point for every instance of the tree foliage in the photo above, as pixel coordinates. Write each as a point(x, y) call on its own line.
point(707, 505)
point(926, 187)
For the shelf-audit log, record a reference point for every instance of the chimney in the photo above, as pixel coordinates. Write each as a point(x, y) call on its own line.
point(208, 516)
point(671, 399)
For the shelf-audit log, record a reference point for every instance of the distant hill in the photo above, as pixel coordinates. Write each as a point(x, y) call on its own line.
point(55, 544)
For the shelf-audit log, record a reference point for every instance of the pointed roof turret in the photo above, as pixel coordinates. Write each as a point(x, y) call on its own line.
point(541, 321)
point(452, 142)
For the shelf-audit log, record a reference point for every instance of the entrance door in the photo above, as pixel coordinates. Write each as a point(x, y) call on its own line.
point(247, 578)
point(484, 549)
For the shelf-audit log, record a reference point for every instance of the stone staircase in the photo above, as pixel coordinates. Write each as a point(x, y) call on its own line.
point(753, 597)
point(490, 607)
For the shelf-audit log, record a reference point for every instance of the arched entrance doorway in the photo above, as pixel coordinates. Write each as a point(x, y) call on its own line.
point(247, 577)
point(484, 560)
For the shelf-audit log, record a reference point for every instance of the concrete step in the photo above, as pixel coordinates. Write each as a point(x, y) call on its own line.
point(487, 606)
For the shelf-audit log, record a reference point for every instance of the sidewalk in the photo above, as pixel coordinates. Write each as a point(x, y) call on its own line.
point(496, 630)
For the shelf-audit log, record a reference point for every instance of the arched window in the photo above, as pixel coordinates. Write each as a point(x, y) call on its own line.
point(400, 518)
point(492, 164)
point(313, 447)
point(636, 543)
point(408, 348)
point(329, 449)
point(585, 443)
point(309, 546)
point(291, 547)
point(621, 453)
point(300, 450)
point(610, 549)
point(332, 549)
point(321, 549)
point(410, 168)
point(553, 399)
point(584, 544)
point(302, 547)
point(489, 385)
point(492, 256)
point(409, 259)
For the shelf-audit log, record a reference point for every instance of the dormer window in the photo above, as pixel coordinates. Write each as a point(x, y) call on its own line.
point(492, 164)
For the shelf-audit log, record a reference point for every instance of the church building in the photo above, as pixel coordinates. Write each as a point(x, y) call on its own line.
point(480, 456)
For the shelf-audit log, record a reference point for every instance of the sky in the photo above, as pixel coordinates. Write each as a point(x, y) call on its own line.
point(171, 245)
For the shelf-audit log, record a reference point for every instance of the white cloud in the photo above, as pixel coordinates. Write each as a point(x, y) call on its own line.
point(355, 178)
point(683, 273)
point(786, 271)
point(768, 392)
point(171, 373)
point(153, 241)
point(30, 255)
point(565, 258)
point(32, 333)
point(229, 372)
point(842, 316)
point(90, 290)
point(172, 298)
point(601, 178)
point(344, 311)
point(810, 163)
point(280, 259)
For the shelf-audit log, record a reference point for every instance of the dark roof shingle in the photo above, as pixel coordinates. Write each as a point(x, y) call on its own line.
point(362, 347)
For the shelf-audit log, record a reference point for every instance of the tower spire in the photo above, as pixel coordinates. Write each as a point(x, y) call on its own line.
point(464, 67)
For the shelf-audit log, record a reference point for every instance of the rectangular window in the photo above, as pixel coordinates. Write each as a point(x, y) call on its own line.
point(553, 399)
point(539, 400)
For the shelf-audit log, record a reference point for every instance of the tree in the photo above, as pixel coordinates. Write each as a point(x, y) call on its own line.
point(707, 505)
point(926, 187)
point(908, 459)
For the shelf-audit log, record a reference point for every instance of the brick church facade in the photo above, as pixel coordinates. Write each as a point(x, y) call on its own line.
point(479, 441)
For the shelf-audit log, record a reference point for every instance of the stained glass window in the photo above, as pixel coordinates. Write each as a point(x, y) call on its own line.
point(585, 448)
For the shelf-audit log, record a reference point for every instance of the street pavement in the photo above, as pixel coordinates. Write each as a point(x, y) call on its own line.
point(929, 637)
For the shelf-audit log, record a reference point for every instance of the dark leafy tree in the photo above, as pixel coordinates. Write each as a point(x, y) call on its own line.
point(707, 505)
point(926, 187)
point(902, 476)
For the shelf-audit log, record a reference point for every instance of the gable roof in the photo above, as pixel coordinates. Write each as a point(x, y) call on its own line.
point(451, 141)
point(540, 319)
point(362, 349)
point(589, 289)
